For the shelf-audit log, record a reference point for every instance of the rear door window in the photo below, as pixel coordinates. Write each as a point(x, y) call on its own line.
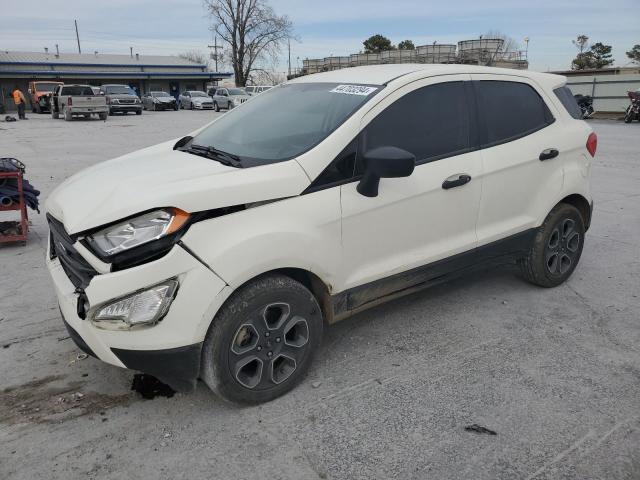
point(509, 110)
point(565, 95)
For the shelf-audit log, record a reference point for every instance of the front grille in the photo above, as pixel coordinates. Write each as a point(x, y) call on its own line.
point(127, 101)
point(61, 247)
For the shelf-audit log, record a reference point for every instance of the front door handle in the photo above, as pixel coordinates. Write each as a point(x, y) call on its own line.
point(456, 180)
point(548, 154)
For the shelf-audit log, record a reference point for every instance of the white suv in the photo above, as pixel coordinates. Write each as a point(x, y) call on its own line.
point(224, 255)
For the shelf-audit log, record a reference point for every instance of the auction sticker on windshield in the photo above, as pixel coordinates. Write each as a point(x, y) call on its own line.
point(354, 90)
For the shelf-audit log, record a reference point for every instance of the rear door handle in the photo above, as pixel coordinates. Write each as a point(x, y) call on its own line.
point(548, 154)
point(456, 180)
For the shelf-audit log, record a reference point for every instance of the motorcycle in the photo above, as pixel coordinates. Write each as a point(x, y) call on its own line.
point(633, 110)
point(585, 102)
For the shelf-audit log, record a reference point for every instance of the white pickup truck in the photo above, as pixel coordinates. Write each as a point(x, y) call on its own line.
point(70, 100)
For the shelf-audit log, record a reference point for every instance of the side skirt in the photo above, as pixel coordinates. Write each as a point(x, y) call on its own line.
point(500, 252)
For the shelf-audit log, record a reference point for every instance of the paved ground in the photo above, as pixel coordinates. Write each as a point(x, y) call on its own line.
point(556, 373)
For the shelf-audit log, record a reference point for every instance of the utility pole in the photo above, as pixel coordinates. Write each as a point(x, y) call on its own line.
point(131, 50)
point(289, 43)
point(215, 48)
point(77, 36)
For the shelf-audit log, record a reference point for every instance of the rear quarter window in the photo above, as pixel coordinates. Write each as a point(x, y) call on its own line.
point(76, 90)
point(509, 110)
point(565, 95)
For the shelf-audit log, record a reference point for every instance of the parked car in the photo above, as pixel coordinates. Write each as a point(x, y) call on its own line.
point(159, 101)
point(255, 90)
point(40, 95)
point(228, 98)
point(363, 185)
point(95, 90)
point(121, 99)
point(195, 99)
point(76, 100)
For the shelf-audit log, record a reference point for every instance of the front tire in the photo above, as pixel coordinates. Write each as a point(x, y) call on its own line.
point(262, 341)
point(556, 248)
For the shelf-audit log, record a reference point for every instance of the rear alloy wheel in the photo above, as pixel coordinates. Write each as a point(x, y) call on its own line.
point(262, 340)
point(556, 248)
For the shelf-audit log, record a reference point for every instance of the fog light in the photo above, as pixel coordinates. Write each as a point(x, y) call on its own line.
point(146, 307)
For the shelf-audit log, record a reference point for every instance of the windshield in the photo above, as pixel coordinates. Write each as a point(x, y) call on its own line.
point(237, 91)
point(76, 90)
point(285, 121)
point(198, 94)
point(119, 89)
point(160, 94)
point(46, 87)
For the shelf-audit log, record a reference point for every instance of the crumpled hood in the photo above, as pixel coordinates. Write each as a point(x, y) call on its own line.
point(159, 176)
point(165, 99)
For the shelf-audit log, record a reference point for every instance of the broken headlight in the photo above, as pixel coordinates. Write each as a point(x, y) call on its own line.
point(146, 307)
point(137, 231)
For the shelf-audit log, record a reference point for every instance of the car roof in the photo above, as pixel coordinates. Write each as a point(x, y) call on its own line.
point(383, 74)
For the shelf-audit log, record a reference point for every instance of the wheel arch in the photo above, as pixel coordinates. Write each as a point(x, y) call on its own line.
point(583, 206)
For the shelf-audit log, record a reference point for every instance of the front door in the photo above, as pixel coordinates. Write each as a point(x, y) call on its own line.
point(420, 219)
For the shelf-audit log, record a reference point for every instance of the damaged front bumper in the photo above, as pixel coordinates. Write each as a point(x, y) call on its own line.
point(169, 350)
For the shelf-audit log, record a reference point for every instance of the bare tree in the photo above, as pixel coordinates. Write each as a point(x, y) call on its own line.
point(194, 56)
point(509, 44)
point(252, 30)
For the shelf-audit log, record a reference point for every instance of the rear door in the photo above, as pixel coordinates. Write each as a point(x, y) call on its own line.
point(519, 137)
point(415, 221)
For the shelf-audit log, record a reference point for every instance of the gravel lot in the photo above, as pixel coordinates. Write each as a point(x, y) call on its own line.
point(556, 373)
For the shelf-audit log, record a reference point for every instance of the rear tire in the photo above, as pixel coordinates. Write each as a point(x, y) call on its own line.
point(556, 248)
point(262, 341)
point(102, 116)
point(138, 112)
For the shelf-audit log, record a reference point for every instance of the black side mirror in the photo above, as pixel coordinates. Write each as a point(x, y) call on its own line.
point(384, 162)
point(182, 142)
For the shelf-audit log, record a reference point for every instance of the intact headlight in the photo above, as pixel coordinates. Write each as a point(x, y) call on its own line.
point(137, 231)
point(146, 307)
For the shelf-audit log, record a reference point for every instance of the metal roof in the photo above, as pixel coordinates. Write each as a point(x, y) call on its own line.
point(9, 57)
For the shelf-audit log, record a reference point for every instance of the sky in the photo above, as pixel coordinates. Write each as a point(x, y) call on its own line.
point(324, 28)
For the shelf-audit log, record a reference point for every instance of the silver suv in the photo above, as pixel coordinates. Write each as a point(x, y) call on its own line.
point(228, 98)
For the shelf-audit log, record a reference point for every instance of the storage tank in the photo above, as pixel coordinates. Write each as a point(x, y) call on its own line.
point(436, 53)
point(313, 65)
point(479, 50)
point(366, 58)
point(335, 63)
point(398, 56)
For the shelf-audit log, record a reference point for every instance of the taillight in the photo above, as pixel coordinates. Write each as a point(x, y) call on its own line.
point(592, 144)
point(69, 101)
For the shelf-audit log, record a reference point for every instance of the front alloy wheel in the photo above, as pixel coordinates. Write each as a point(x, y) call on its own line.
point(262, 340)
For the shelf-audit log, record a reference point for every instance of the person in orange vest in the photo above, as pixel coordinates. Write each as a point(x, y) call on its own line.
point(20, 101)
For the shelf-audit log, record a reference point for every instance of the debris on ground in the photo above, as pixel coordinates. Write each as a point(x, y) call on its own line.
point(150, 387)
point(478, 429)
point(80, 356)
point(315, 384)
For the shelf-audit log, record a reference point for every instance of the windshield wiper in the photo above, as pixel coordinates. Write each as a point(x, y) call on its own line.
point(215, 154)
